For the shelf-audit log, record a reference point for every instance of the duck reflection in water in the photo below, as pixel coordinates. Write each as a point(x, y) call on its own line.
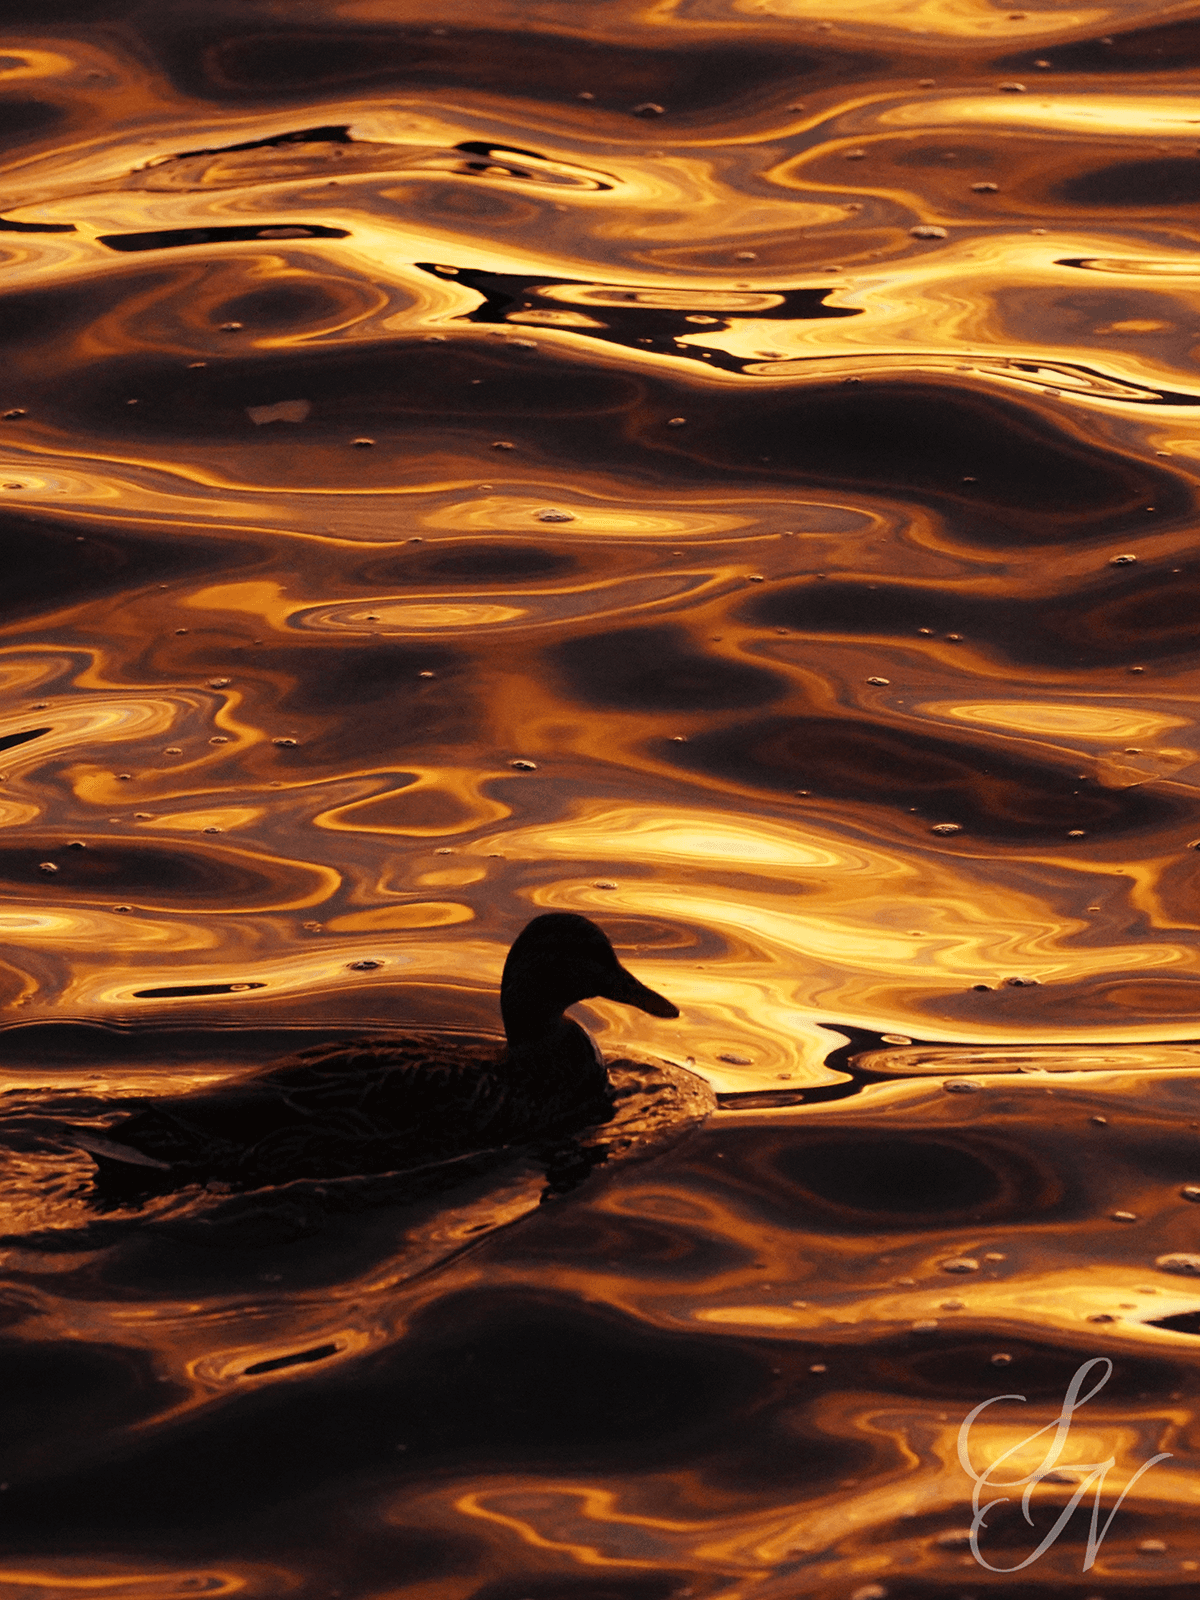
point(381, 1105)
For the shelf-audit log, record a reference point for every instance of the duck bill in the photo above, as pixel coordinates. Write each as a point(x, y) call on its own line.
point(623, 986)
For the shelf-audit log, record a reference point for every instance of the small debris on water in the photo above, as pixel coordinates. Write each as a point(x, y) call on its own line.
point(363, 966)
point(927, 1325)
point(1101, 1122)
point(218, 738)
point(12, 414)
point(231, 327)
point(1152, 1547)
point(47, 866)
point(648, 109)
point(552, 514)
point(1012, 88)
point(818, 1366)
point(604, 883)
point(676, 422)
point(1103, 1316)
point(312, 927)
point(426, 674)
point(985, 188)
point(1123, 1216)
point(736, 1060)
point(523, 766)
point(953, 1305)
point(502, 444)
point(1002, 1359)
point(281, 411)
point(880, 683)
point(895, 1038)
point(1122, 561)
point(957, 1539)
point(363, 444)
point(1020, 983)
point(1191, 1191)
point(1180, 1262)
point(946, 827)
point(961, 1086)
point(218, 683)
point(960, 1264)
point(926, 230)
point(285, 742)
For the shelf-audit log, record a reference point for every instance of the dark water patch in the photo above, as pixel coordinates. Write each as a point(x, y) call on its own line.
point(1168, 47)
point(298, 1358)
point(579, 1587)
point(403, 395)
point(1182, 1322)
point(963, 1368)
point(917, 1179)
point(992, 794)
point(50, 564)
point(660, 669)
point(177, 991)
point(175, 874)
point(11, 740)
point(484, 561)
point(46, 322)
point(1114, 617)
point(328, 133)
point(898, 437)
point(404, 710)
point(484, 1382)
point(1162, 181)
point(239, 62)
point(23, 118)
point(65, 1399)
point(863, 1181)
point(177, 238)
point(9, 226)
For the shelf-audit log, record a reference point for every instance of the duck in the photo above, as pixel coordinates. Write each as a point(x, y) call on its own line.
point(386, 1104)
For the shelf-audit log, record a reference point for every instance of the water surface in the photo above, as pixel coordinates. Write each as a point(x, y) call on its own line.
point(724, 467)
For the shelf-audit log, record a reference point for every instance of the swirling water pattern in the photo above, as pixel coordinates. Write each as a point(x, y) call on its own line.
point(726, 467)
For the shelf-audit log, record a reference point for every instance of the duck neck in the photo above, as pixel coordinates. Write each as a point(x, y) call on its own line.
point(537, 1029)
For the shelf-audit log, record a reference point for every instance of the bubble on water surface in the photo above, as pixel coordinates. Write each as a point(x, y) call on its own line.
point(1180, 1262)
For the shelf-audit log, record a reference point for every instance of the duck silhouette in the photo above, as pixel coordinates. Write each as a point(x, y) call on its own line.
point(385, 1104)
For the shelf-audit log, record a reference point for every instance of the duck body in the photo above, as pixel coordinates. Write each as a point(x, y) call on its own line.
point(380, 1105)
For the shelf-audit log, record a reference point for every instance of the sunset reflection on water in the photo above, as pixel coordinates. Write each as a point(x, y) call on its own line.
point(726, 469)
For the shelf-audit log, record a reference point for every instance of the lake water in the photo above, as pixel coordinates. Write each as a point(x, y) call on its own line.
point(724, 467)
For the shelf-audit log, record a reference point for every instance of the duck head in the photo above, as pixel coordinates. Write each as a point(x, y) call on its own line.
point(556, 960)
